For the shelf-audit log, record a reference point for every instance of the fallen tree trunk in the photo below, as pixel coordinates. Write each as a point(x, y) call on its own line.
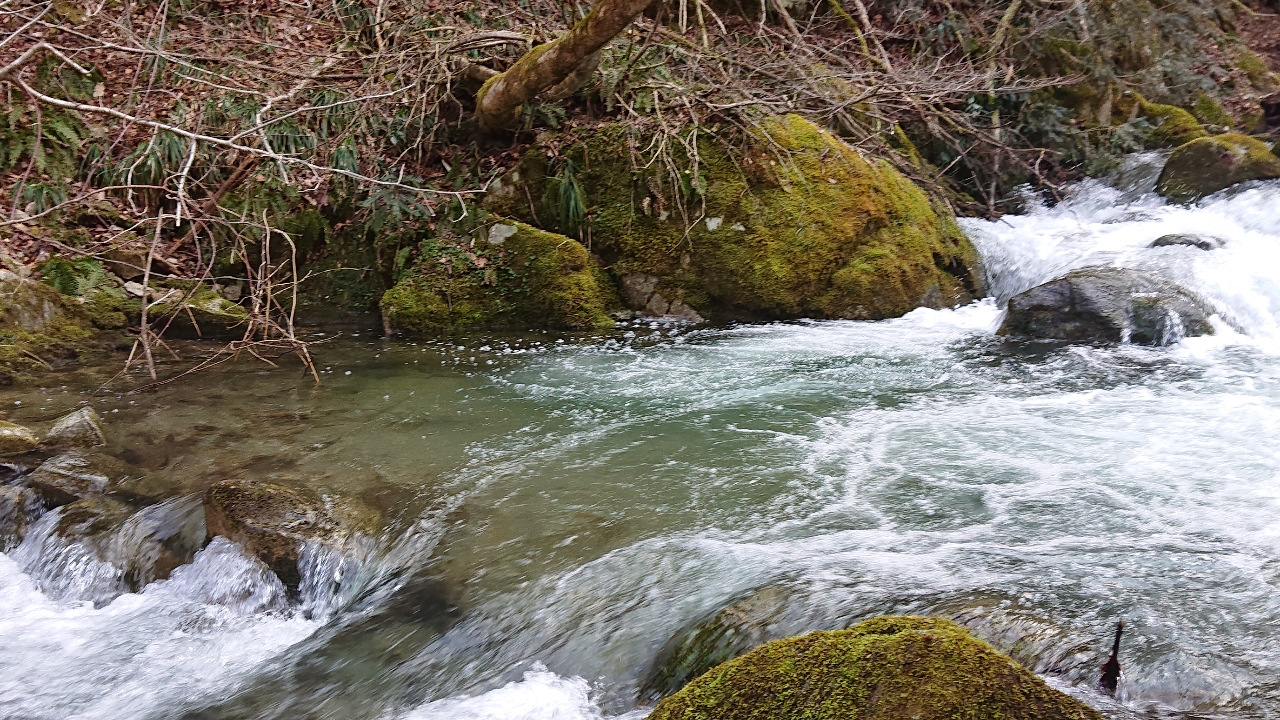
point(500, 100)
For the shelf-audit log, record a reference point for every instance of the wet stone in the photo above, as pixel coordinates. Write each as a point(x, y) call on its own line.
point(738, 628)
point(79, 474)
point(271, 522)
point(16, 439)
point(886, 668)
point(1108, 305)
point(19, 507)
point(82, 428)
point(1203, 242)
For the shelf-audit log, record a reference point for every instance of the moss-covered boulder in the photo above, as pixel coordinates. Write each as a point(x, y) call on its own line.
point(888, 668)
point(507, 274)
point(1209, 164)
point(1171, 125)
point(788, 222)
point(271, 522)
point(1108, 305)
point(186, 308)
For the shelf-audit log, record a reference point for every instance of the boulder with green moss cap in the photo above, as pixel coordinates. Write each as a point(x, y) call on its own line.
point(515, 275)
point(787, 222)
point(1171, 125)
point(1207, 165)
point(888, 668)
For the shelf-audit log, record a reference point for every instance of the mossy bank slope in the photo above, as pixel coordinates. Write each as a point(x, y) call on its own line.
point(888, 668)
point(790, 223)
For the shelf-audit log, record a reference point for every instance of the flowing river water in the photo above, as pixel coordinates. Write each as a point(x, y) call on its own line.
point(560, 507)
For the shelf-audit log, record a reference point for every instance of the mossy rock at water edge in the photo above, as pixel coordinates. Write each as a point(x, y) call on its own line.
point(888, 668)
point(1171, 125)
point(510, 274)
point(1207, 165)
point(792, 223)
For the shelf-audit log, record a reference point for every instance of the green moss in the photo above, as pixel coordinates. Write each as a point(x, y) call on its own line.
point(1210, 111)
point(1172, 126)
point(1260, 76)
point(764, 232)
point(1207, 165)
point(108, 308)
point(194, 309)
point(888, 668)
point(42, 329)
point(516, 275)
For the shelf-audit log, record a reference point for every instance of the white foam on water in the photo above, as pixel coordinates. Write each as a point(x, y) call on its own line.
point(1099, 225)
point(540, 695)
point(194, 636)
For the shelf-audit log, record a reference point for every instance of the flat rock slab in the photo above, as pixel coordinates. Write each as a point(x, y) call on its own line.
point(1108, 305)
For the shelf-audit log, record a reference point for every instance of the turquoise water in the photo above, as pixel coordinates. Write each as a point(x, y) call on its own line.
point(560, 506)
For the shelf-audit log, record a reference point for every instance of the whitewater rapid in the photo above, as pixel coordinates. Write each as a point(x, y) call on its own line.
point(595, 496)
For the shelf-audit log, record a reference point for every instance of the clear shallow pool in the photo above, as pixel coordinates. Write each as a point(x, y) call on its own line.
point(561, 506)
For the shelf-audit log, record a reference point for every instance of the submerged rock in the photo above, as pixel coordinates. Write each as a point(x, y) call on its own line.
point(799, 224)
point(272, 522)
point(1207, 165)
point(142, 545)
point(729, 633)
point(888, 668)
point(82, 428)
point(1108, 305)
point(80, 474)
point(1204, 242)
point(16, 439)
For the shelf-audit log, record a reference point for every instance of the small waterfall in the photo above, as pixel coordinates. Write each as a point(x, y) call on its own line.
point(1113, 223)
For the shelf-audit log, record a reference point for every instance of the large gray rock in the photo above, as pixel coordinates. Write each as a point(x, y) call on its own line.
point(82, 428)
point(146, 544)
point(1108, 305)
point(16, 439)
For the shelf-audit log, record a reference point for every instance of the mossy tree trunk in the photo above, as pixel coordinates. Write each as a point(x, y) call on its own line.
point(499, 101)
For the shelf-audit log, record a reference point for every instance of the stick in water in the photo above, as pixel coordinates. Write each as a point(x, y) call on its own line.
point(1111, 669)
